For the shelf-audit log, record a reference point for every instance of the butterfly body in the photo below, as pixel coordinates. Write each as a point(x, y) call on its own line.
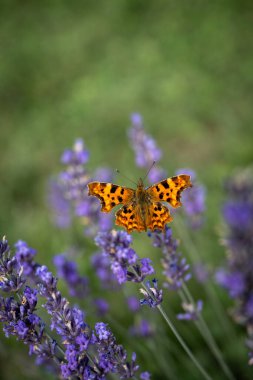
point(142, 208)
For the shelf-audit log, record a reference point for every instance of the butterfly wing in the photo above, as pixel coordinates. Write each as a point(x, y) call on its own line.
point(129, 217)
point(158, 216)
point(170, 189)
point(109, 194)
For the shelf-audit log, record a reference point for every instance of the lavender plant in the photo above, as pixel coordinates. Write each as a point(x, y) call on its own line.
point(80, 352)
point(237, 274)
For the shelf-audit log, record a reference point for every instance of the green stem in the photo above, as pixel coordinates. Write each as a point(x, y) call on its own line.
point(183, 344)
point(179, 338)
point(195, 257)
point(205, 332)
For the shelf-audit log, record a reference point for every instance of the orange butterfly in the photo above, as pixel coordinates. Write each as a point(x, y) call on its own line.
point(142, 208)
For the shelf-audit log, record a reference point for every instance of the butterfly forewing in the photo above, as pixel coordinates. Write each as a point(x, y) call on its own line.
point(170, 189)
point(110, 195)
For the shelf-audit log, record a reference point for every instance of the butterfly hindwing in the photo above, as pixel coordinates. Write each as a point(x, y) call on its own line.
point(158, 216)
point(170, 189)
point(109, 194)
point(129, 218)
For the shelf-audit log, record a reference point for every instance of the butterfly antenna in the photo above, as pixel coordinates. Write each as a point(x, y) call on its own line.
point(149, 170)
point(129, 179)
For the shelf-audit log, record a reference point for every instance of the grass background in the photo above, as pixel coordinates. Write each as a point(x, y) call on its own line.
point(79, 69)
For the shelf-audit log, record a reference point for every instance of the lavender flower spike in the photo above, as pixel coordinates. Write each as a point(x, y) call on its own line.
point(145, 148)
point(125, 263)
point(237, 274)
point(175, 267)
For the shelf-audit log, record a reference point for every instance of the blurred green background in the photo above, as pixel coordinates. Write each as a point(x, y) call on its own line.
point(79, 69)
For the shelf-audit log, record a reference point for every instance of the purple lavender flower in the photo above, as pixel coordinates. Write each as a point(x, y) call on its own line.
point(133, 303)
point(18, 315)
point(113, 357)
point(145, 376)
point(77, 338)
point(124, 261)
point(145, 148)
point(234, 282)
point(102, 306)
point(69, 192)
point(152, 295)
point(194, 200)
point(11, 279)
point(67, 270)
point(191, 311)
point(102, 267)
point(25, 255)
point(238, 215)
point(237, 275)
point(175, 267)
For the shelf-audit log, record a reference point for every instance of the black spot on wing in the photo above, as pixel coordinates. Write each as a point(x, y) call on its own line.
point(161, 195)
point(113, 188)
point(165, 184)
point(122, 191)
point(120, 199)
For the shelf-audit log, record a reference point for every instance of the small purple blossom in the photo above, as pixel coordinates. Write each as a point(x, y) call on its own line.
point(101, 331)
point(30, 296)
point(146, 267)
point(79, 155)
point(102, 306)
point(234, 282)
point(145, 376)
point(25, 256)
point(238, 215)
point(11, 272)
point(191, 311)
point(67, 270)
point(133, 303)
point(152, 295)
point(102, 267)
